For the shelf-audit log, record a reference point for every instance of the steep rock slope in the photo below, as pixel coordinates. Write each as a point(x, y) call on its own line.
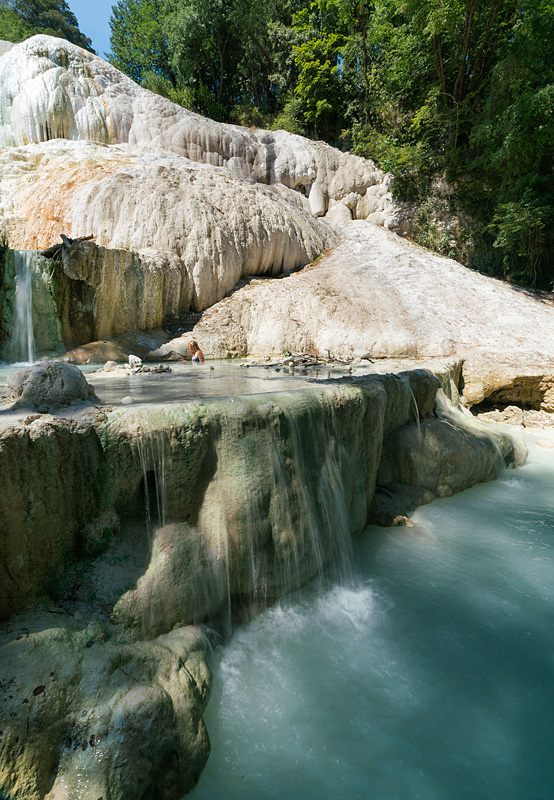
point(212, 228)
point(84, 150)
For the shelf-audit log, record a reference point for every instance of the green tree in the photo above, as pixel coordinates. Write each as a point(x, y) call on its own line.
point(139, 45)
point(513, 146)
point(218, 51)
point(214, 54)
point(20, 19)
point(318, 60)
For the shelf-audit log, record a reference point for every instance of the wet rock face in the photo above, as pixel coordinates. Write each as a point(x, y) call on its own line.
point(47, 385)
point(124, 720)
point(50, 490)
point(170, 235)
point(261, 492)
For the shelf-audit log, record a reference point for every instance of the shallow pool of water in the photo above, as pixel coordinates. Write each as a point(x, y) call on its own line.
point(431, 676)
point(217, 378)
point(187, 381)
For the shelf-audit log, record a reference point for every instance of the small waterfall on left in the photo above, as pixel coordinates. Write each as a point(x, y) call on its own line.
point(22, 340)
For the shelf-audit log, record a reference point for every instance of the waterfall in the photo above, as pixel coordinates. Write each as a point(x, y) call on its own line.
point(244, 500)
point(152, 459)
point(276, 510)
point(22, 340)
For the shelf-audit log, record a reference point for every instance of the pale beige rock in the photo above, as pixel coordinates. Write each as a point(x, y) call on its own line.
point(193, 230)
point(516, 377)
point(514, 415)
point(378, 294)
point(5, 47)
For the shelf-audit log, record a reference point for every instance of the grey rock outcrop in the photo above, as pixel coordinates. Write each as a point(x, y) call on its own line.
point(49, 385)
point(427, 459)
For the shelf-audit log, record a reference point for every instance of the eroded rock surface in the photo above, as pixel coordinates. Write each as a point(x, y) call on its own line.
point(51, 89)
point(50, 490)
point(427, 459)
point(188, 205)
point(254, 496)
point(84, 717)
point(376, 294)
point(260, 492)
point(183, 233)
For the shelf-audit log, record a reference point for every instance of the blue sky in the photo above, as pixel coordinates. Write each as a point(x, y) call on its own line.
point(93, 21)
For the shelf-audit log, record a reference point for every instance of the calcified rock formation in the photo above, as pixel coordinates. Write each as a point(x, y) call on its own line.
point(195, 230)
point(51, 89)
point(86, 717)
point(50, 385)
point(255, 496)
point(197, 203)
point(77, 471)
point(376, 294)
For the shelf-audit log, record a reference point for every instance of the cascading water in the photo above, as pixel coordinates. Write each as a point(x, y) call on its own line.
point(258, 495)
point(22, 341)
point(430, 677)
point(151, 448)
point(292, 532)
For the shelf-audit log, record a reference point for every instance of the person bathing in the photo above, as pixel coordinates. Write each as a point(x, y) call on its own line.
point(196, 352)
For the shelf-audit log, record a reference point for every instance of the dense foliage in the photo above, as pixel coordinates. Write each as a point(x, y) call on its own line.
point(454, 97)
point(20, 19)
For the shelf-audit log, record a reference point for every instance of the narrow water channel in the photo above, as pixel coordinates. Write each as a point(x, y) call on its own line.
point(430, 676)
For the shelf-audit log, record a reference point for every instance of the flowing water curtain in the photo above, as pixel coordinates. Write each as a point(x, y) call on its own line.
point(151, 449)
point(21, 345)
point(29, 314)
point(276, 509)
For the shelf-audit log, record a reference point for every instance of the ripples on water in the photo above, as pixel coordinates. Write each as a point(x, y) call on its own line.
point(430, 677)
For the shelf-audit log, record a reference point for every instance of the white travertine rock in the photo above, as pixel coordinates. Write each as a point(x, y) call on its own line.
point(5, 46)
point(376, 293)
point(197, 227)
point(51, 89)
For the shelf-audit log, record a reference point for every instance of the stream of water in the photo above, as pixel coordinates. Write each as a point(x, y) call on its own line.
point(430, 675)
point(22, 340)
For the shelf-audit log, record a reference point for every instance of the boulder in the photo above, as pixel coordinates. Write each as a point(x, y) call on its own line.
point(49, 385)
